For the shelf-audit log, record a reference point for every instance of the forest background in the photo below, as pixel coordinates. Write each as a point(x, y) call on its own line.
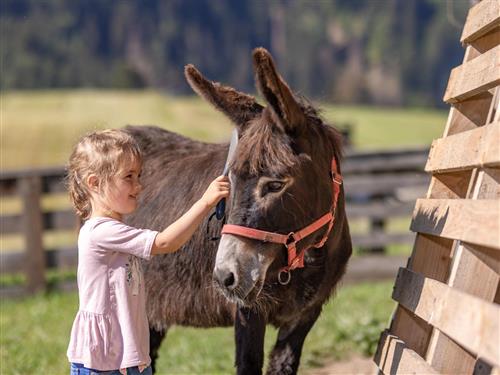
point(391, 52)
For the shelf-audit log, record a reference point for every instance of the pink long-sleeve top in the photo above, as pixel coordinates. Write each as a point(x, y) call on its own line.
point(111, 330)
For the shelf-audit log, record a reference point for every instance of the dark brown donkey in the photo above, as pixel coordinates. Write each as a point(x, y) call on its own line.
point(281, 182)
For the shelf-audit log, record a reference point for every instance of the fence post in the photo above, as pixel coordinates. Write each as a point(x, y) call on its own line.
point(31, 192)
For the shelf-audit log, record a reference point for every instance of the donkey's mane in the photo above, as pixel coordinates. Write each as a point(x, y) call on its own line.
point(263, 147)
point(325, 131)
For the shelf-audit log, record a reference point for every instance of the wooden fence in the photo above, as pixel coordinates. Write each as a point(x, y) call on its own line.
point(448, 315)
point(379, 186)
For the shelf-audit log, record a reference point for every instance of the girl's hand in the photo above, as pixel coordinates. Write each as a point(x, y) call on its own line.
point(179, 232)
point(218, 189)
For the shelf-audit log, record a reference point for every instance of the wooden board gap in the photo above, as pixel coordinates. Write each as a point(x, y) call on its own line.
point(469, 114)
point(451, 185)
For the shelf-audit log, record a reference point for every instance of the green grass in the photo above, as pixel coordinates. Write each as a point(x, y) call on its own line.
point(35, 333)
point(48, 123)
point(385, 128)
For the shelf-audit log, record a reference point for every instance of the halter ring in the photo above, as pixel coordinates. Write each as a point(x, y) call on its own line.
point(284, 281)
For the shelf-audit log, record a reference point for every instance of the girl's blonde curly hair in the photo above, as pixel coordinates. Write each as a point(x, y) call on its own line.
point(102, 153)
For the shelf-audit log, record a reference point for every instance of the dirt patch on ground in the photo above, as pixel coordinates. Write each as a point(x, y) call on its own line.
point(353, 366)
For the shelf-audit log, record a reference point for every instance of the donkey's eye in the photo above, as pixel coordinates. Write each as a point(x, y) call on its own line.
point(274, 186)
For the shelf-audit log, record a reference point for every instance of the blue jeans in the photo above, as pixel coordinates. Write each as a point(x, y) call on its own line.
point(78, 369)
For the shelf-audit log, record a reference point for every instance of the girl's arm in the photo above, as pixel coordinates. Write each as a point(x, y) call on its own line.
point(180, 231)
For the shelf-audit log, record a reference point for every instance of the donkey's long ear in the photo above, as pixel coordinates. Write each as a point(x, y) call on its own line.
point(240, 108)
point(276, 92)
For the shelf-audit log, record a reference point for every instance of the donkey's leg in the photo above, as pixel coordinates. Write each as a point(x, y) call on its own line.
point(155, 339)
point(285, 357)
point(250, 328)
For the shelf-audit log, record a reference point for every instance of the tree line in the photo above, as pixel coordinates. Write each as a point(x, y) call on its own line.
point(388, 52)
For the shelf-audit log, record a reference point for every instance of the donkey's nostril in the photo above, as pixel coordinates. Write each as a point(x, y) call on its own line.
point(225, 278)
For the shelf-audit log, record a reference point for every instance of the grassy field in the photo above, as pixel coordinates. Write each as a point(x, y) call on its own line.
point(39, 128)
point(49, 123)
point(35, 333)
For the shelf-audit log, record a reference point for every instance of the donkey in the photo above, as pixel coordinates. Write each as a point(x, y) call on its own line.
point(281, 181)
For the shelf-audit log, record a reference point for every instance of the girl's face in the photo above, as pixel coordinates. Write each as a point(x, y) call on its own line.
point(120, 193)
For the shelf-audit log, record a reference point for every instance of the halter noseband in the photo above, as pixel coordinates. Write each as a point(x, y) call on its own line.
point(290, 240)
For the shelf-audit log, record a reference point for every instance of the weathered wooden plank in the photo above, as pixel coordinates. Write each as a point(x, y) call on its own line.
point(387, 184)
point(473, 77)
point(50, 184)
point(474, 148)
point(473, 221)
point(468, 320)
point(60, 220)
point(379, 209)
point(13, 262)
point(18, 291)
point(482, 17)
point(15, 174)
point(393, 160)
point(394, 357)
point(373, 267)
point(447, 357)
point(52, 179)
point(414, 331)
point(31, 191)
point(431, 256)
point(381, 239)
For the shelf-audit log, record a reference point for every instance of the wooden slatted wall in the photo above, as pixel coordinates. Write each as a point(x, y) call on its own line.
point(448, 315)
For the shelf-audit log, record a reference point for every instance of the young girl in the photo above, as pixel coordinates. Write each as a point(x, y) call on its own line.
point(110, 333)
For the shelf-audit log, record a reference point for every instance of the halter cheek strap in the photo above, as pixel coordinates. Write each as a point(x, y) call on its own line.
point(295, 260)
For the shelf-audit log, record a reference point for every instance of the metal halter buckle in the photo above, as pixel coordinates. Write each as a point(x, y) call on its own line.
point(290, 240)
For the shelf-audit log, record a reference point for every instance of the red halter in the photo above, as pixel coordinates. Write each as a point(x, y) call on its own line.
point(290, 240)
